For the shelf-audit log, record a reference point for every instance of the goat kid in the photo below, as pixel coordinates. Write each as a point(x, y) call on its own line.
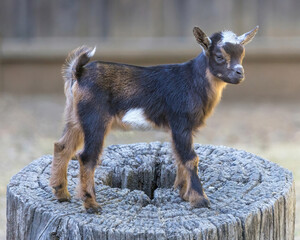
point(178, 97)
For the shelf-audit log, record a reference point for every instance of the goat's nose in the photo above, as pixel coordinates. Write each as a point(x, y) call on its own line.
point(239, 70)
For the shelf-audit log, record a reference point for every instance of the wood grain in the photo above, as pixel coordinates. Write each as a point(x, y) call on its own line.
point(251, 198)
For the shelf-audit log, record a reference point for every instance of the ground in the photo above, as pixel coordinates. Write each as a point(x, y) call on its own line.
point(30, 125)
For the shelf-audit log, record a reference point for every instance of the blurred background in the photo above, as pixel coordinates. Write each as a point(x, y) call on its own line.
point(262, 115)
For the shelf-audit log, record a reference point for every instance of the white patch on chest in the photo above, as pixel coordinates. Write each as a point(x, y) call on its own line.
point(136, 118)
point(230, 37)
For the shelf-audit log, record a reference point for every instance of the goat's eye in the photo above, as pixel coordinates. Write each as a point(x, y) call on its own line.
point(219, 58)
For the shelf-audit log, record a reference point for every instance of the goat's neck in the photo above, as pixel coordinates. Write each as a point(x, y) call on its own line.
point(214, 86)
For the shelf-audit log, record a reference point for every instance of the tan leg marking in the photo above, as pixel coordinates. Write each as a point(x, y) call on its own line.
point(86, 189)
point(86, 186)
point(63, 151)
point(194, 197)
point(183, 181)
point(180, 181)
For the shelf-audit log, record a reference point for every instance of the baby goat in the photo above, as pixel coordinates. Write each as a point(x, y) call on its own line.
point(178, 97)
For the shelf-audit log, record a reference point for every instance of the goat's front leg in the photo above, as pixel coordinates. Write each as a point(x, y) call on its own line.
point(187, 179)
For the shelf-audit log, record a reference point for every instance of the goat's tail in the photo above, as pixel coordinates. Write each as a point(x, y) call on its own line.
point(71, 71)
point(75, 61)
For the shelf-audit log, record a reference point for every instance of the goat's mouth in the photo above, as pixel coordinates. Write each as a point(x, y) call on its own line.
point(234, 80)
point(237, 80)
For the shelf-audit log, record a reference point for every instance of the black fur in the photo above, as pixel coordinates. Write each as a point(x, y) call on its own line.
point(196, 184)
point(56, 188)
point(87, 195)
point(178, 97)
point(93, 123)
point(165, 92)
point(172, 96)
point(235, 51)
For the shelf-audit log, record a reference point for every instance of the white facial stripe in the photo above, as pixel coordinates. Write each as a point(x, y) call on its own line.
point(238, 66)
point(230, 37)
point(136, 118)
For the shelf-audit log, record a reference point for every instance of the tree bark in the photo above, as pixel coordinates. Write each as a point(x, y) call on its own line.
point(251, 198)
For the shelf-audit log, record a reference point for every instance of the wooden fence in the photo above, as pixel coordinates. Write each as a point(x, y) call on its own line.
point(29, 19)
point(37, 34)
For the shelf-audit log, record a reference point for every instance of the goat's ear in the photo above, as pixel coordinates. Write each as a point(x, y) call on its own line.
point(202, 38)
point(248, 36)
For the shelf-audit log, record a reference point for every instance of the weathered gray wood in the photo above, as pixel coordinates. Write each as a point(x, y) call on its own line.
point(251, 198)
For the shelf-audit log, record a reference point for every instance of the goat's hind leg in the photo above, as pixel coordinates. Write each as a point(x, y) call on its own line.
point(88, 159)
point(64, 149)
point(95, 124)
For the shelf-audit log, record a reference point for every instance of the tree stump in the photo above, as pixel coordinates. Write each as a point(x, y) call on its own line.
point(251, 198)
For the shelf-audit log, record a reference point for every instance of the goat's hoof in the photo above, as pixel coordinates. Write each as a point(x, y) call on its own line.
point(62, 195)
point(196, 199)
point(64, 199)
point(96, 209)
point(200, 202)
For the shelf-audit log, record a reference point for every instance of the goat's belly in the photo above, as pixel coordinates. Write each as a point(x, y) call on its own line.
point(135, 118)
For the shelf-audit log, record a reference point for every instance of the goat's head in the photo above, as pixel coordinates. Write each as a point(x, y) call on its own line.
point(225, 52)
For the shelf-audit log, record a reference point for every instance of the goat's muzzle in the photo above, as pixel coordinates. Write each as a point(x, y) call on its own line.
point(237, 75)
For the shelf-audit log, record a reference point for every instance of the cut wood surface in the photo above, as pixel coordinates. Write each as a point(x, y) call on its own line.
point(251, 198)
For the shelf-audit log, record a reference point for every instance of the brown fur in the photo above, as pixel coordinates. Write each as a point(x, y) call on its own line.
point(243, 55)
point(64, 149)
point(194, 197)
point(215, 90)
point(180, 181)
point(226, 56)
point(190, 194)
point(192, 164)
point(183, 182)
point(86, 188)
point(122, 84)
point(178, 97)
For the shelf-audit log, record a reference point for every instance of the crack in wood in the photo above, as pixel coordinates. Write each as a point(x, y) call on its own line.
point(238, 210)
